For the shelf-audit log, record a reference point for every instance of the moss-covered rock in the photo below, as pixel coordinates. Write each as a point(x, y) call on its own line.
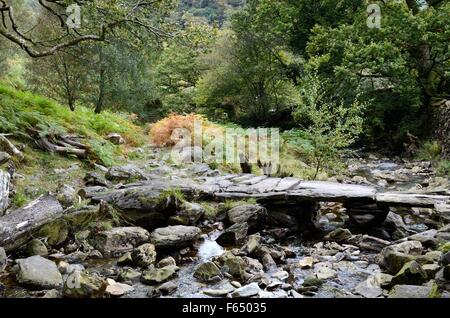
point(84, 285)
point(36, 247)
point(55, 232)
point(412, 273)
point(208, 272)
point(144, 255)
point(158, 275)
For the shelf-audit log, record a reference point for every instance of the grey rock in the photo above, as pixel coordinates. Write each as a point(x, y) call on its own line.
point(93, 179)
point(411, 273)
point(234, 235)
point(4, 157)
point(187, 214)
point(220, 292)
point(3, 259)
point(158, 275)
point(427, 238)
point(36, 247)
point(144, 255)
point(129, 274)
point(397, 255)
point(125, 173)
point(178, 236)
point(115, 138)
point(254, 215)
point(410, 291)
point(246, 291)
point(84, 285)
point(232, 264)
point(38, 272)
point(252, 244)
point(339, 235)
point(167, 288)
point(208, 272)
point(67, 195)
point(120, 240)
point(445, 259)
point(166, 261)
point(115, 289)
point(52, 293)
point(369, 288)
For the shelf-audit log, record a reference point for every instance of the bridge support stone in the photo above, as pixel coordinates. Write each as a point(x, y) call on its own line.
point(366, 215)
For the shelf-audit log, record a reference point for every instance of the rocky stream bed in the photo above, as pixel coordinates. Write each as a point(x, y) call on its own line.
point(244, 249)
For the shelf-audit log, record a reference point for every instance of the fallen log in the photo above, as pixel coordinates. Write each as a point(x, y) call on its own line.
point(47, 145)
point(10, 148)
point(4, 191)
point(16, 228)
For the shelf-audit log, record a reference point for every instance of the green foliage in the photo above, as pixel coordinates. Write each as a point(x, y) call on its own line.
point(430, 150)
point(179, 67)
point(390, 64)
point(443, 167)
point(22, 110)
point(330, 125)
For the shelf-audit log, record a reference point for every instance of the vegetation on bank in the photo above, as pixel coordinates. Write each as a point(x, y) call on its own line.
point(22, 111)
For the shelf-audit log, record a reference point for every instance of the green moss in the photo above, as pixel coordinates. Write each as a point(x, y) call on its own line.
point(444, 248)
point(171, 195)
point(211, 210)
point(434, 293)
point(55, 232)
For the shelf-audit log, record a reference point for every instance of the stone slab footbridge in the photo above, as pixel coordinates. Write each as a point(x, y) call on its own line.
point(147, 203)
point(365, 205)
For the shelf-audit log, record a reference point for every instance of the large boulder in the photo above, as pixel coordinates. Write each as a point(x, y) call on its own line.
point(119, 240)
point(397, 255)
point(254, 215)
point(115, 138)
point(38, 272)
point(232, 264)
point(208, 272)
point(234, 235)
point(178, 236)
point(144, 255)
point(411, 273)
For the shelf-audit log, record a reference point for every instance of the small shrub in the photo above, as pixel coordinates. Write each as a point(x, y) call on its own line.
point(430, 150)
point(163, 133)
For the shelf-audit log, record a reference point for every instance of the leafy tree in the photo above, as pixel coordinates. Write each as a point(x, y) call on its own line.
point(179, 67)
point(400, 66)
point(99, 21)
point(246, 80)
point(332, 125)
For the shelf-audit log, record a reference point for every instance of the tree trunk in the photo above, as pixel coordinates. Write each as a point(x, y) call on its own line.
point(16, 228)
point(4, 191)
point(101, 94)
